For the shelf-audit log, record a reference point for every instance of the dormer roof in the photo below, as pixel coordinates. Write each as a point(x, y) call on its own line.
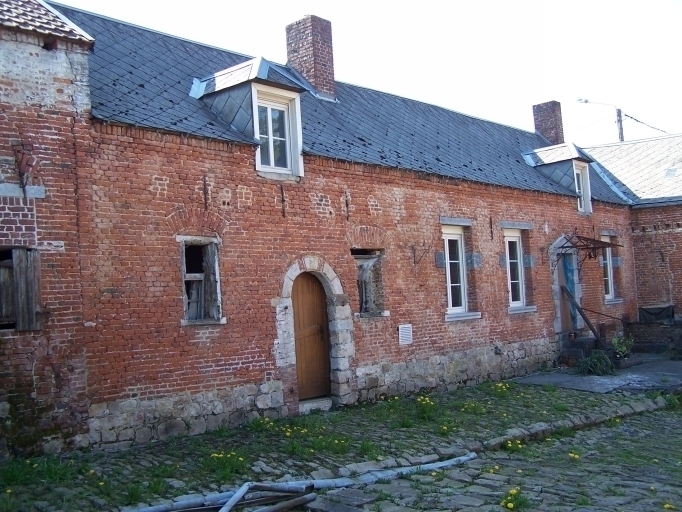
point(259, 70)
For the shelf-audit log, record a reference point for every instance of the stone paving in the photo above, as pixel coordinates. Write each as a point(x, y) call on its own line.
point(630, 465)
point(394, 433)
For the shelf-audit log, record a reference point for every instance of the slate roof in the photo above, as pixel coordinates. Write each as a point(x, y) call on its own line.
point(142, 77)
point(36, 16)
point(646, 171)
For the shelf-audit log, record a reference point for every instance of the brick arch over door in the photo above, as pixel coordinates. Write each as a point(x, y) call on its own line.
point(342, 347)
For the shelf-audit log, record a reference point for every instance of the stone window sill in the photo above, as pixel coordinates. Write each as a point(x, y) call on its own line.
point(516, 310)
point(279, 176)
point(373, 314)
point(457, 317)
point(191, 323)
point(615, 300)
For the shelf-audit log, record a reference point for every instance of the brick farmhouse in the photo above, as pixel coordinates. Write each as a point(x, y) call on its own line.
point(191, 238)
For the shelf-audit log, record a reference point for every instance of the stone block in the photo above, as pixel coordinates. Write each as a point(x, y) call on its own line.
point(80, 441)
point(277, 399)
point(114, 407)
point(216, 421)
point(197, 426)
point(143, 435)
point(126, 434)
point(53, 446)
point(129, 405)
point(97, 410)
point(171, 428)
point(236, 418)
point(108, 436)
point(264, 401)
point(372, 382)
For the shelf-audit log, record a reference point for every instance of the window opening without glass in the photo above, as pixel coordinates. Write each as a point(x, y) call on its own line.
point(201, 288)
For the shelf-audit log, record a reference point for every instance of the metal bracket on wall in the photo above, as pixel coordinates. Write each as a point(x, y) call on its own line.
point(416, 250)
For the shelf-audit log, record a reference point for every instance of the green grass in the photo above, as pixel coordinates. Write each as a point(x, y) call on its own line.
point(561, 407)
point(582, 501)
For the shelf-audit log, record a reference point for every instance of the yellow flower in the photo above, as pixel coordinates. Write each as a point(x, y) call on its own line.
point(510, 505)
point(496, 467)
point(241, 458)
point(101, 483)
point(655, 460)
point(652, 488)
point(35, 465)
point(513, 491)
point(9, 491)
point(519, 470)
point(668, 506)
point(433, 473)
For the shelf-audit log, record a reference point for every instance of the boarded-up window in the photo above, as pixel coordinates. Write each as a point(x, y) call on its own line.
point(20, 290)
point(201, 284)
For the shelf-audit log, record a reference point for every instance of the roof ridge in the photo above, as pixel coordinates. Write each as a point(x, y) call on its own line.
point(439, 106)
point(108, 18)
point(626, 142)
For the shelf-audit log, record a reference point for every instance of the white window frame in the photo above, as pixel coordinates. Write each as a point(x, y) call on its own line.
point(514, 235)
point(581, 177)
point(201, 241)
point(607, 263)
point(290, 102)
point(455, 233)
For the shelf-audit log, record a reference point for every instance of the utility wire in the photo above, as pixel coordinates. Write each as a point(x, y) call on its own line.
point(642, 122)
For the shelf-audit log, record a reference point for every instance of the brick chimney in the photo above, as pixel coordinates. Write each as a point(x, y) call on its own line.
point(310, 52)
point(548, 123)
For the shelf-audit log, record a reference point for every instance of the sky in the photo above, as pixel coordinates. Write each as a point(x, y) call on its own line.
point(491, 59)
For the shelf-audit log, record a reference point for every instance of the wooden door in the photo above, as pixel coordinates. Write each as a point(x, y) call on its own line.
point(565, 269)
point(311, 331)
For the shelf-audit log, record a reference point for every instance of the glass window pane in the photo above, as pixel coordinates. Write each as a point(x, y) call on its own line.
point(456, 296)
point(278, 123)
point(607, 272)
point(516, 292)
point(265, 151)
point(263, 121)
point(455, 277)
point(280, 152)
point(513, 250)
point(453, 250)
point(513, 270)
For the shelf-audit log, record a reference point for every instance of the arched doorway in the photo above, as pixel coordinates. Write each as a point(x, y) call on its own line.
point(311, 334)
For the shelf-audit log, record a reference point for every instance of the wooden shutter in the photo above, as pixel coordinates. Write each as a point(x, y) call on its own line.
point(6, 292)
point(211, 288)
point(27, 289)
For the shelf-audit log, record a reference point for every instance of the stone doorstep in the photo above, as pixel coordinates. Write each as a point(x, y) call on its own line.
point(315, 404)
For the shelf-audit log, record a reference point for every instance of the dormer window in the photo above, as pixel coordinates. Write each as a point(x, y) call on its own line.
point(274, 140)
point(582, 187)
point(278, 125)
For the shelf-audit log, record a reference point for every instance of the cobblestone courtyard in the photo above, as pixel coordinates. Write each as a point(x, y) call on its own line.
point(632, 461)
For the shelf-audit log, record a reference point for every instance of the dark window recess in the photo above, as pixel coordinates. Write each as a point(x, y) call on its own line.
point(370, 284)
point(201, 292)
point(20, 290)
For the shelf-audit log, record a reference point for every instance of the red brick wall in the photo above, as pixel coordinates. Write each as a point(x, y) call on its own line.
point(141, 188)
point(657, 238)
point(42, 373)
